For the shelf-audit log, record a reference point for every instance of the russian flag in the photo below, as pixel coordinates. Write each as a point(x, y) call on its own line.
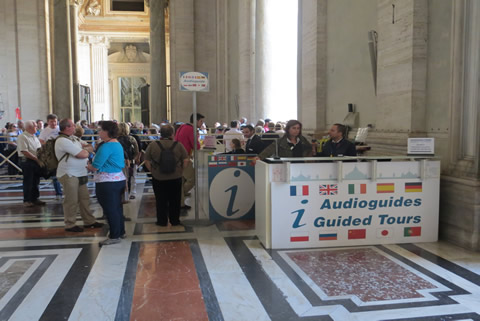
point(302, 190)
point(327, 237)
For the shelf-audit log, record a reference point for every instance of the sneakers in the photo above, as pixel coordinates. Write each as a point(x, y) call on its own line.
point(28, 204)
point(75, 229)
point(59, 197)
point(132, 197)
point(124, 236)
point(94, 225)
point(110, 241)
point(39, 202)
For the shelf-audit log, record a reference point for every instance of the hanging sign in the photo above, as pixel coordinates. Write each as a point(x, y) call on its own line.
point(193, 81)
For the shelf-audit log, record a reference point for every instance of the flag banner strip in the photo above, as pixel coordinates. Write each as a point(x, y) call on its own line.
point(299, 239)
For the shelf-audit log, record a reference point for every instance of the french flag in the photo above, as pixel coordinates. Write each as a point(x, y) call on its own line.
point(301, 190)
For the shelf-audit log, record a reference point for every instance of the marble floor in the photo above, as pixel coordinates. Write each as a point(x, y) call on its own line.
point(216, 272)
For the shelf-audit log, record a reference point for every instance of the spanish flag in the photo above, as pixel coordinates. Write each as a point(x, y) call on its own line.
point(413, 187)
point(385, 188)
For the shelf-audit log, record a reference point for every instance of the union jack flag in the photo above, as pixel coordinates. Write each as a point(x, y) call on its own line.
point(329, 189)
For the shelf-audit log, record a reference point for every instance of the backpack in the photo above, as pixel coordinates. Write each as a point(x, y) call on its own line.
point(48, 159)
point(128, 147)
point(167, 163)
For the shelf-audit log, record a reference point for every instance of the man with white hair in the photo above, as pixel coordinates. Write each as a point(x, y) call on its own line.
point(27, 145)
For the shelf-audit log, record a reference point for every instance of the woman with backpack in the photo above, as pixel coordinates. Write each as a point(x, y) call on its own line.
point(131, 151)
point(165, 159)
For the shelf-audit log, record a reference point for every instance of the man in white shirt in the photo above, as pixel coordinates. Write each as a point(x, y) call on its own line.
point(27, 145)
point(234, 132)
point(51, 132)
point(72, 154)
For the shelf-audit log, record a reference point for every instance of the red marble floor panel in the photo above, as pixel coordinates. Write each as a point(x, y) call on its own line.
point(166, 285)
point(45, 233)
point(362, 272)
point(241, 225)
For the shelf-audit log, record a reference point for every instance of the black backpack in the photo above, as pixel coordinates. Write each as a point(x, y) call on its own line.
point(167, 164)
point(128, 147)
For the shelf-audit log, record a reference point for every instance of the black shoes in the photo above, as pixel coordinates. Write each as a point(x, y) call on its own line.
point(94, 225)
point(186, 207)
point(76, 229)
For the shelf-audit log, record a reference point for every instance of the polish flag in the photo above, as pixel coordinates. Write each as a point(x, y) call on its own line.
point(299, 237)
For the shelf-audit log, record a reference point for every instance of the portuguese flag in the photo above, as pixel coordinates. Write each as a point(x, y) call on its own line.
point(412, 231)
point(413, 187)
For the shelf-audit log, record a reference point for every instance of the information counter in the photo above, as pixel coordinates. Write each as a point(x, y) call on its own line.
point(325, 202)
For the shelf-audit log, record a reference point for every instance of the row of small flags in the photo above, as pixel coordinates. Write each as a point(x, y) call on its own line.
point(332, 189)
point(227, 160)
point(354, 234)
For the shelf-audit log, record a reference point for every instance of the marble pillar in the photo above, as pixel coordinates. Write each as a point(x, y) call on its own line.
point(246, 60)
point(62, 60)
point(181, 55)
point(460, 184)
point(401, 65)
point(312, 64)
point(260, 56)
point(101, 109)
point(158, 85)
point(74, 4)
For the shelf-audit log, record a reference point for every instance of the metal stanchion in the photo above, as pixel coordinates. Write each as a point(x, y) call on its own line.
point(197, 221)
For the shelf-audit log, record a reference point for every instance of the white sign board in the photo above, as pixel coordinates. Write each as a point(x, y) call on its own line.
point(315, 209)
point(421, 146)
point(193, 81)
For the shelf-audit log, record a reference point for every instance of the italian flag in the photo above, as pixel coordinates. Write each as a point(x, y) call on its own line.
point(357, 188)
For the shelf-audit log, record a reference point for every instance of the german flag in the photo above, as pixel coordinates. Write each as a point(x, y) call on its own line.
point(385, 188)
point(413, 187)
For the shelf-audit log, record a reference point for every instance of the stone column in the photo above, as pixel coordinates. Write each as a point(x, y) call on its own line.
point(181, 55)
point(101, 108)
point(246, 63)
point(260, 48)
point(62, 61)
point(74, 51)
point(158, 81)
point(402, 66)
point(312, 64)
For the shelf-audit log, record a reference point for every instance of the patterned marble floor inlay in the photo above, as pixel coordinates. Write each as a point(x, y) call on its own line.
point(364, 273)
point(167, 286)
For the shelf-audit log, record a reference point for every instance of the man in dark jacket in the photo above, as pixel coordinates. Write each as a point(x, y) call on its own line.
point(254, 144)
point(338, 145)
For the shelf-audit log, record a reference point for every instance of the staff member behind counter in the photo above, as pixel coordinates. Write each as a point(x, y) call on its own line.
point(292, 144)
point(338, 146)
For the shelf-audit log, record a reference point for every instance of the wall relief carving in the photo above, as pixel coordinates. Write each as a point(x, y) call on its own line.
point(93, 8)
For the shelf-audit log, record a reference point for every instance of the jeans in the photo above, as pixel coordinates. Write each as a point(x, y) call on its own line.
point(57, 186)
point(109, 195)
point(167, 197)
point(31, 180)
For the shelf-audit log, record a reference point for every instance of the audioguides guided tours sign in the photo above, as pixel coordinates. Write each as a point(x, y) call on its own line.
point(315, 211)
